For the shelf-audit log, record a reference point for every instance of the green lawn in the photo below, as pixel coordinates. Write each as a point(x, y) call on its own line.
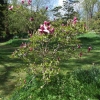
point(9, 66)
point(87, 59)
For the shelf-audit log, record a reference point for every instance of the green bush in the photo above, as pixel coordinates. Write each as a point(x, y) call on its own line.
point(23, 21)
point(45, 51)
point(61, 87)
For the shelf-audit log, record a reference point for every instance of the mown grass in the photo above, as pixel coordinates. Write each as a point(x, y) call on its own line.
point(87, 59)
point(8, 66)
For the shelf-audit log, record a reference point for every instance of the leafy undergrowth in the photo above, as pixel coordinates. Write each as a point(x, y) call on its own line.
point(77, 85)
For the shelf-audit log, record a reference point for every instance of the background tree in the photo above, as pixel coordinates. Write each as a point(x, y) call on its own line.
point(95, 24)
point(89, 8)
point(98, 6)
point(3, 8)
point(38, 4)
point(25, 18)
point(57, 12)
point(68, 9)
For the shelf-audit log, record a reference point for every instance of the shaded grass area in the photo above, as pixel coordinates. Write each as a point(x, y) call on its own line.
point(9, 66)
point(88, 59)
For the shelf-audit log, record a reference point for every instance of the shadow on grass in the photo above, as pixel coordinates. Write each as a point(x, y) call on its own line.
point(8, 66)
point(4, 76)
point(88, 60)
point(17, 42)
point(8, 77)
point(90, 41)
point(97, 96)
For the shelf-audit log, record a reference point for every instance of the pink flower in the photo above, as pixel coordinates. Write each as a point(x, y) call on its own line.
point(89, 49)
point(46, 23)
point(30, 35)
point(46, 8)
point(46, 28)
point(52, 30)
point(31, 19)
point(42, 27)
point(80, 54)
point(29, 2)
point(11, 7)
point(78, 46)
point(22, 1)
point(63, 25)
point(75, 18)
point(23, 45)
point(74, 21)
point(46, 31)
point(30, 49)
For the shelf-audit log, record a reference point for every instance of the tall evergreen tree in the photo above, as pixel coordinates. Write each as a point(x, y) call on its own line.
point(68, 10)
point(56, 12)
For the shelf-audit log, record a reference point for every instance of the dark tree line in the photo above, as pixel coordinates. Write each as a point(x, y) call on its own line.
point(2, 28)
point(4, 33)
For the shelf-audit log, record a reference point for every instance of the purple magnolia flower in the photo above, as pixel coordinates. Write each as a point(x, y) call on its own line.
point(10, 7)
point(75, 18)
point(89, 49)
point(31, 19)
point(22, 1)
point(74, 21)
point(31, 49)
point(29, 2)
point(46, 8)
point(46, 23)
point(78, 46)
point(52, 30)
point(42, 28)
point(23, 45)
point(80, 54)
point(63, 25)
point(46, 28)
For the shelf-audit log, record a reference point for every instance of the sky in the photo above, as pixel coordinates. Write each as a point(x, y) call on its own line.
point(60, 2)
